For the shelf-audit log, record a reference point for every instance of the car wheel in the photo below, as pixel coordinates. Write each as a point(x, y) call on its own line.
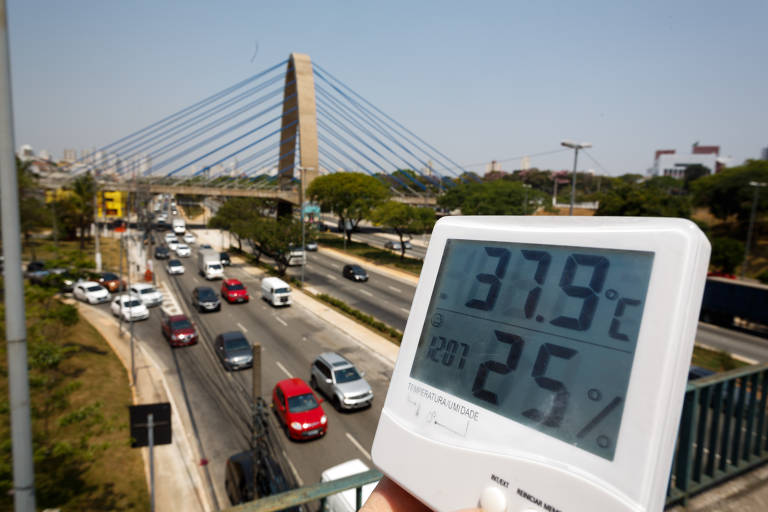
point(313, 383)
point(336, 403)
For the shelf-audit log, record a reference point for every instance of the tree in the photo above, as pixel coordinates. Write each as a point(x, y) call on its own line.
point(32, 211)
point(350, 195)
point(729, 193)
point(694, 172)
point(727, 254)
point(647, 199)
point(499, 197)
point(235, 214)
point(80, 205)
point(403, 219)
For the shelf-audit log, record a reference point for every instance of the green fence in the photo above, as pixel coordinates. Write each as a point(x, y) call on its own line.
point(722, 433)
point(722, 430)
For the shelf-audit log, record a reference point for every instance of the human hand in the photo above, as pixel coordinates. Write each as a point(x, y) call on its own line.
point(390, 497)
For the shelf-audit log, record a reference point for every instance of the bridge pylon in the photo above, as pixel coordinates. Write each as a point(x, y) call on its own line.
point(299, 122)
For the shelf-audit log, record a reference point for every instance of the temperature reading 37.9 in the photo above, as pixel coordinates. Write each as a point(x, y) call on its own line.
point(543, 335)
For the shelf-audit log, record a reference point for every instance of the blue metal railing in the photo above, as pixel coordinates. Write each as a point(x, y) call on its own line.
point(722, 433)
point(722, 430)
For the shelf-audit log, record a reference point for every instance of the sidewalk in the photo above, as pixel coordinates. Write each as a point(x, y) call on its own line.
point(178, 482)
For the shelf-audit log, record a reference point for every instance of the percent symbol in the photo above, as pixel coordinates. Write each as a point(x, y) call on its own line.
point(596, 396)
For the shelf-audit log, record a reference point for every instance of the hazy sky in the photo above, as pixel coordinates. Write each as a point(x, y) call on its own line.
point(478, 80)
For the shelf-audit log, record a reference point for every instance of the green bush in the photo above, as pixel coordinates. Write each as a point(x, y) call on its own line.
point(395, 335)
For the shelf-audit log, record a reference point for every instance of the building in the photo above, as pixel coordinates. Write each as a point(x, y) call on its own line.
point(26, 153)
point(70, 155)
point(764, 153)
point(668, 162)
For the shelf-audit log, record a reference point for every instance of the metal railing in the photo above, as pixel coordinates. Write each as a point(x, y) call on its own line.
point(722, 434)
point(722, 430)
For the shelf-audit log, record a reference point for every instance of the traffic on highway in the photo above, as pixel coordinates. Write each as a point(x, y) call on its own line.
point(204, 310)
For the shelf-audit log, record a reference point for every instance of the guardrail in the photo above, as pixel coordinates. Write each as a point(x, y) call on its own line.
point(722, 430)
point(722, 433)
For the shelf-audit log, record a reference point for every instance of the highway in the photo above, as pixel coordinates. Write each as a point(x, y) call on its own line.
point(219, 401)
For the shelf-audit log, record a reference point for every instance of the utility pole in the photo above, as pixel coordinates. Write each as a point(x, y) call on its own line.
point(97, 257)
point(15, 315)
point(302, 174)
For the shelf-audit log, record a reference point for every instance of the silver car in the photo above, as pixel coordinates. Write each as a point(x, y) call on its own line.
point(339, 380)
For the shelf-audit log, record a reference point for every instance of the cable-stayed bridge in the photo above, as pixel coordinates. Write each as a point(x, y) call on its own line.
point(269, 136)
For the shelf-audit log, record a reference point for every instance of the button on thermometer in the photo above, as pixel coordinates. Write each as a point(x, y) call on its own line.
point(544, 364)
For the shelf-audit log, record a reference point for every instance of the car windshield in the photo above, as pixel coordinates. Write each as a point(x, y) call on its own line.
point(215, 266)
point(148, 290)
point(358, 270)
point(207, 294)
point(346, 375)
point(131, 303)
point(177, 325)
point(237, 345)
point(110, 277)
point(283, 290)
point(235, 287)
point(93, 288)
point(174, 263)
point(302, 403)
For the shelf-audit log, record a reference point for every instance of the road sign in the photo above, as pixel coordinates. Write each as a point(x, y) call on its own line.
point(161, 413)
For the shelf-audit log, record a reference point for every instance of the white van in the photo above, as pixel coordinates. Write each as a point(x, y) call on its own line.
point(179, 226)
point(345, 501)
point(276, 291)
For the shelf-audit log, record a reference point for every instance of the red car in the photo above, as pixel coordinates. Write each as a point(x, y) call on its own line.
point(234, 291)
point(178, 330)
point(299, 409)
point(111, 282)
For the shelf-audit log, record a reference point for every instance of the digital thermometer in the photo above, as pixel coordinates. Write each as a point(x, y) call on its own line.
point(544, 363)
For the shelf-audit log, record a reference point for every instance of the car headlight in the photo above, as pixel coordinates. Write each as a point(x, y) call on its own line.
point(295, 425)
point(324, 420)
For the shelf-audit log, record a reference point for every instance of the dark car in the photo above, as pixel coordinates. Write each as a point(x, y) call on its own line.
point(162, 252)
point(234, 350)
point(256, 474)
point(111, 282)
point(63, 282)
point(178, 330)
point(234, 291)
point(224, 259)
point(205, 299)
point(355, 273)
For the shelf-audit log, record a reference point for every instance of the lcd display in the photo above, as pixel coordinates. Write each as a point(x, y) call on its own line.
point(544, 335)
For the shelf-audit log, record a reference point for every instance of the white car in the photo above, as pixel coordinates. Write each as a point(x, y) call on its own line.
point(90, 292)
point(175, 267)
point(129, 306)
point(183, 250)
point(148, 294)
point(170, 237)
point(189, 238)
point(173, 244)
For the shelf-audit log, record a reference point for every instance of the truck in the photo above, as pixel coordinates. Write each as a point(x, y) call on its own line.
point(179, 226)
point(209, 264)
point(726, 300)
point(276, 291)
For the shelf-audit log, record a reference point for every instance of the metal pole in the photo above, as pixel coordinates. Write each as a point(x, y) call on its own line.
point(151, 435)
point(573, 180)
point(752, 215)
point(120, 259)
point(97, 257)
point(15, 325)
point(130, 313)
point(301, 215)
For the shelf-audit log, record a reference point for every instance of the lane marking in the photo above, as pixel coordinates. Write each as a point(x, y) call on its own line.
point(293, 468)
point(285, 370)
point(398, 290)
point(332, 278)
point(358, 445)
point(366, 292)
point(281, 321)
point(242, 328)
point(406, 310)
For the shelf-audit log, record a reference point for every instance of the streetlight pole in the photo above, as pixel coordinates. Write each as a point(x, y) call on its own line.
point(576, 147)
point(758, 185)
point(302, 174)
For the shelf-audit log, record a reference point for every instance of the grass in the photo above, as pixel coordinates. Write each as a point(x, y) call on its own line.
point(393, 334)
point(83, 458)
point(373, 254)
point(45, 250)
point(715, 360)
